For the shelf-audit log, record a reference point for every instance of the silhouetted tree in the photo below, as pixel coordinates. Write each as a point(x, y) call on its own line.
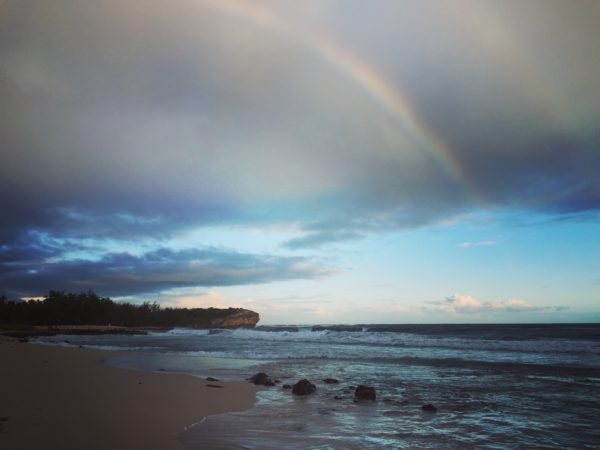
point(87, 308)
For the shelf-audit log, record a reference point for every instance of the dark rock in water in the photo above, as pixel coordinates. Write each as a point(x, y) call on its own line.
point(23, 340)
point(337, 397)
point(330, 381)
point(261, 379)
point(429, 408)
point(161, 370)
point(303, 387)
point(286, 386)
point(364, 393)
point(211, 379)
point(214, 386)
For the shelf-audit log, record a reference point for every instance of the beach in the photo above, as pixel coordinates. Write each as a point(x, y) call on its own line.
point(492, 386)
point(437, 386)
point(64, 398)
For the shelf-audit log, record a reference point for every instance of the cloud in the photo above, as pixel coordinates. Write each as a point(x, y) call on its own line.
point(209, 299)
point(319, 239)
point(512, 305)
point(468, 244)
point(146, 122)
point(290, 299)
point(467, 304)
point(113, 130)
point(463, 304)
point(121, 274)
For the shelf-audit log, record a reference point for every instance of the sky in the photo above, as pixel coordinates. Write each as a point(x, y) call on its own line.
point(323, 161)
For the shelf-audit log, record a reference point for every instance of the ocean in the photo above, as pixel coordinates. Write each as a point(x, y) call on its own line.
point(494, 386)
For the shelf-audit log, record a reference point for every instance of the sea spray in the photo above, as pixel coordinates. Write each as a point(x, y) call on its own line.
point(492, 386)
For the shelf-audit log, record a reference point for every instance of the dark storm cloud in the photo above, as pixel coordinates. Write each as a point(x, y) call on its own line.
point(131, 121)
point(25, 272)
point(158, 111)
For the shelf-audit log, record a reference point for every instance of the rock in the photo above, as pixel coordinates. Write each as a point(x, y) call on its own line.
point(211, 379)
point(261, 379)
point(303, 387)
point(286, 386)
point(337, 397)
point(237, 318)
point(330, 381)
point(161, 370)
point(214, 386)
point(364, 393)
point(429, 408)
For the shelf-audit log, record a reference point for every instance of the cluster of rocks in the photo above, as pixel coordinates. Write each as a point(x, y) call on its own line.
point(305, 387)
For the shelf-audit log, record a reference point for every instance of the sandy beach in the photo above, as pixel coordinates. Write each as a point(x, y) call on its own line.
point(65, 398)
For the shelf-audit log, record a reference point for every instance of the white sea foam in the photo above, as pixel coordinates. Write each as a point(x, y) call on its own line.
point(116, 348)
point(257, 355)
point(303, 334)
point(181, 332)
point(414, 340)
point(123, 348)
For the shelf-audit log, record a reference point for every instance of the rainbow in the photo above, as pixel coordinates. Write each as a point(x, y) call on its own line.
point(389, 98)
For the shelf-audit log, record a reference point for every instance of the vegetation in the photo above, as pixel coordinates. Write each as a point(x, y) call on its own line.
point(87, 308)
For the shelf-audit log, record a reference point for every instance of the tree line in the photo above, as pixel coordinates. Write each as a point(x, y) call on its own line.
point(87, 308)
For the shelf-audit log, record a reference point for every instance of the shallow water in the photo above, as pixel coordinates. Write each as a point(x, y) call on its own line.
point(494, 386)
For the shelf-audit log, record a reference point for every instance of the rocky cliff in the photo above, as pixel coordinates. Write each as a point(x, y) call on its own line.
point(237, 318)
point(101, 315)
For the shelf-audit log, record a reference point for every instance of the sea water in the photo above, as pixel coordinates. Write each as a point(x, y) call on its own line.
point(494, 386)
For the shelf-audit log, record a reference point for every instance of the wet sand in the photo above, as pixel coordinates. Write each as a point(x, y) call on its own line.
point(58, 398)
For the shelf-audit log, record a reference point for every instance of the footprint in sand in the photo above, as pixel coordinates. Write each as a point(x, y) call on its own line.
point(3, 420)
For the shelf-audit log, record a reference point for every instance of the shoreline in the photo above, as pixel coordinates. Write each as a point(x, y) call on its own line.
point(33, 331)
point(62, 398)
